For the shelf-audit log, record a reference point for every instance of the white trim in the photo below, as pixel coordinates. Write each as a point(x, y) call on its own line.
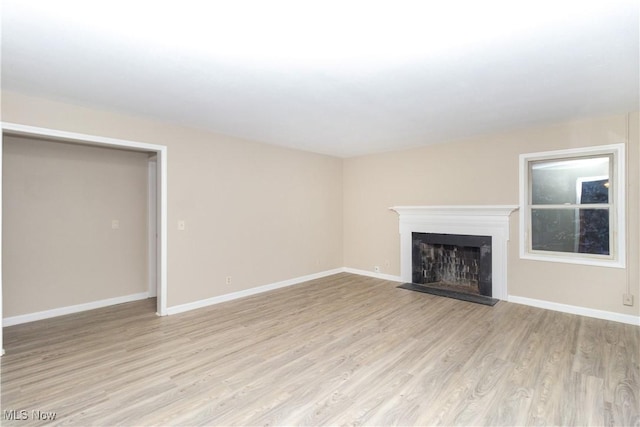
point(488, 220)
point(54, 134)
point(62, 311)
point(574, 309)
point(152, 226)
point(162, 231)
point(382, 276)
point(248, 292)
point(160, 150)
point(1, 162)
point(617, 225)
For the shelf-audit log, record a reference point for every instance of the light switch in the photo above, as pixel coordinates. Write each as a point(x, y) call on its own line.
point(115, 224)
point(182, 225)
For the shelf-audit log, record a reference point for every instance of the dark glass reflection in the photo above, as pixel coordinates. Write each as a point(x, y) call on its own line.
point(571, 230)
point(595, 192)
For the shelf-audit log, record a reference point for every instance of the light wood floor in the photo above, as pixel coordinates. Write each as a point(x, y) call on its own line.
point(343, 350)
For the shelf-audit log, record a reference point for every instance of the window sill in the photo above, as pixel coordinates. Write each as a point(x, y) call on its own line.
point(568, 259)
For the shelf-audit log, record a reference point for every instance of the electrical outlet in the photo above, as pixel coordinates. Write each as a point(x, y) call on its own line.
point(182, 225)
point(115, 224)
point(376, 269)
point(227, 280)
point(627, 299)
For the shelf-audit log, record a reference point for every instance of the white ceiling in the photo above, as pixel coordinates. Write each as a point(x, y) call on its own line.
point(344, 78)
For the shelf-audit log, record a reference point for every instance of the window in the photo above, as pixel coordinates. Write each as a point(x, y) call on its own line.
point(572, 206)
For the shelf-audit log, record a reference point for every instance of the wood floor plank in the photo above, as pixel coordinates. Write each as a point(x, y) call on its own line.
point(342, 350)
point(587, 402)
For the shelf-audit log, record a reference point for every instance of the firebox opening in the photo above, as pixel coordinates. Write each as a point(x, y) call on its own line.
point(449, 266)
point(458, 263)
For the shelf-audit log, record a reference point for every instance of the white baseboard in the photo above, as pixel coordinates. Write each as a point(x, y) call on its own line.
point(247, 292)
point(372, 274)
point(47, 314)
point(565, 308)
point(573, 309)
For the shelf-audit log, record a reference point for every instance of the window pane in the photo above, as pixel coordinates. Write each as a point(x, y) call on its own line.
point(596, 191)
point(572, 181)
point(570, 230)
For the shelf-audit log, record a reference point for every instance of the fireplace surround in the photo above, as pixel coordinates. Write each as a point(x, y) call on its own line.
point(489, 221)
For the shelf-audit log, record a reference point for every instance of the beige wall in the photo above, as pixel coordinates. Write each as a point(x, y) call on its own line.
point(257, 213)
point(59, 248)
point(484, 171)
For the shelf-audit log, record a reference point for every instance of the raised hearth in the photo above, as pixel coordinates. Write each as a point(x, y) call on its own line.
point(427, 289)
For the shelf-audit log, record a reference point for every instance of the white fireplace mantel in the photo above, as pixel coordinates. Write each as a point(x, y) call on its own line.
point(483, 220)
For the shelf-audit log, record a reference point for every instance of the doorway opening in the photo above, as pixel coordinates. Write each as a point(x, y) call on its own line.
point(156, 203)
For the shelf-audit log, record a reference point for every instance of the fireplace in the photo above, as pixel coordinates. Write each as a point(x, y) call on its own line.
point(455, 262)
point(481, 225)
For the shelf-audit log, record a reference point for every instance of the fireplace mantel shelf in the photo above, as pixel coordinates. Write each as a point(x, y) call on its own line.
point(480, 210)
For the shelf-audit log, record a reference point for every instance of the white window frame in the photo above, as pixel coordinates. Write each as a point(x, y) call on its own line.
point(617, 255)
